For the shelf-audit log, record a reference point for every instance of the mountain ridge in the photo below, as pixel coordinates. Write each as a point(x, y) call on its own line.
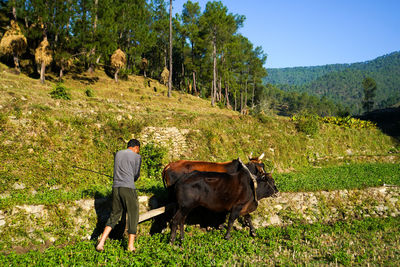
point(342, 83)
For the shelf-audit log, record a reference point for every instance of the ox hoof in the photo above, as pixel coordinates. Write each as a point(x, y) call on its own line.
point(228, 237)
point(253, 234)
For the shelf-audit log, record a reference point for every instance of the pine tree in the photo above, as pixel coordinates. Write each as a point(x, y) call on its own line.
point(219, 26)
point(370, 87)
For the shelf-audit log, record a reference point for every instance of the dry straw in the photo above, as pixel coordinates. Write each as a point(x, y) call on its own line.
point(118, 59)
point(13, 41)
point(144, 64)
point(43, 53)
point(165, 75)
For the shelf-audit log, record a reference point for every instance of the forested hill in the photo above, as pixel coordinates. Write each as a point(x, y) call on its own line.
point(343, 82)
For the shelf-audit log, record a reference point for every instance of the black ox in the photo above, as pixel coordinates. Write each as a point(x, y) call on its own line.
point(237, 193)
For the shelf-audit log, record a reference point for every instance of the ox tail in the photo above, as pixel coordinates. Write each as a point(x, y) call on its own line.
point(165, 176)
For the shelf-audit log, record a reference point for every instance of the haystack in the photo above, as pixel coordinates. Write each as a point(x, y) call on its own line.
point(43, 53)
point(143, 65)
point(118, 61)
point(43, 56)
point(13, 43)
point(165, 75)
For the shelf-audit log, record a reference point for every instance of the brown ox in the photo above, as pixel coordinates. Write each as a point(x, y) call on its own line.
point(220, 192)
point(174, 171)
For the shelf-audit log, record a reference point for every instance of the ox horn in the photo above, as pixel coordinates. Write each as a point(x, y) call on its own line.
point(251, 155)
point(261, 156)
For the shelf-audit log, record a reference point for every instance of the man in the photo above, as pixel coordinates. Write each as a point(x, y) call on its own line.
point(124, 197)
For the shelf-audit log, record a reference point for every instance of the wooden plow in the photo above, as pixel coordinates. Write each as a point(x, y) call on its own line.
point(155, 212)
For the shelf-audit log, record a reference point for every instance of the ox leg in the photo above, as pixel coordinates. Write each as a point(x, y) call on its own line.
point(247, 219)
point(174, 225)
point(232, 217)
point(185, 213)
point(178, 219)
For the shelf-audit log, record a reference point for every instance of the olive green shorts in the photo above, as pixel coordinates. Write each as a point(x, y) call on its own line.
point(124, 198)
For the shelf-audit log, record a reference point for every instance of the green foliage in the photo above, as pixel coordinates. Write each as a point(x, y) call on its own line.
point(3, 120)
point(349, 176)
point(369, 86)
point(308, 124)
point(153, 159)
point(371, 241)
point(60, 92)
point(343, 82)
point(89, 92)
point(346, 122)
point(349, 122)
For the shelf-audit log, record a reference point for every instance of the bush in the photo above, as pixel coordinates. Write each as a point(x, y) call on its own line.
point(60, 92)
point(89, 92)
point(153, 160)
point(349, 122)
point(308, 124)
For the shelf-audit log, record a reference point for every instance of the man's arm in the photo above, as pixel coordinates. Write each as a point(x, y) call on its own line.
point(138, 171)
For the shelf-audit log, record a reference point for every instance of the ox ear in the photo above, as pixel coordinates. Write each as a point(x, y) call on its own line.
point(261, 156)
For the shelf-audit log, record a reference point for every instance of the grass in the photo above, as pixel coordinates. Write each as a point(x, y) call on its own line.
point(367, 242)
point(348, 176)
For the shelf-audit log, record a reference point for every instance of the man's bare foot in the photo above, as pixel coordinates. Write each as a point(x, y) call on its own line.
point(132, 249)
point(100, 248)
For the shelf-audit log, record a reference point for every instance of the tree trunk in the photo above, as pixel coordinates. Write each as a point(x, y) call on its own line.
point(245, 95)
point(116, 75)
point(214, 81)
point(194, 83)
point(42, 71)
point(61, 74)
point(227, 95)
point(16, 62)
point(234, 98)
point(254, 89)
point(183, 76)
point(241, 102)
point(170, 50)
point(219, 91)
point(14, 12)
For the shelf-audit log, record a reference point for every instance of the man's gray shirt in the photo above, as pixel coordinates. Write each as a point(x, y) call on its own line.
point(126, 168)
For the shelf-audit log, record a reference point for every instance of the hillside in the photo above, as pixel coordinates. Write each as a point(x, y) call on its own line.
point(42, 138)
point(57, 157)
point(342, 82)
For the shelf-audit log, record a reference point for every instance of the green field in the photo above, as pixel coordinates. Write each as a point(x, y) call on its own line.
point(368, 242)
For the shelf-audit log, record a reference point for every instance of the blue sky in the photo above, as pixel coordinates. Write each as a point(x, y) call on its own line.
point(317, 32)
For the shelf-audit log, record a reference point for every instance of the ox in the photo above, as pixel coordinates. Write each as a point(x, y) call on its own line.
point(236, 193)
point(174, 171)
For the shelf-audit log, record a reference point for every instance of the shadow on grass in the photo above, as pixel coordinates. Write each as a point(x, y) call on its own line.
point(388, 120)
point(199, 216)
point(85, 79)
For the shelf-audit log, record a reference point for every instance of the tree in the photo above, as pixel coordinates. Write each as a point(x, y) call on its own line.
point(43, 56)
point(190, 20)
point(170, 50)
point(118, 61)
point(370, 87)
point(219, 26)
point(14, 43)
